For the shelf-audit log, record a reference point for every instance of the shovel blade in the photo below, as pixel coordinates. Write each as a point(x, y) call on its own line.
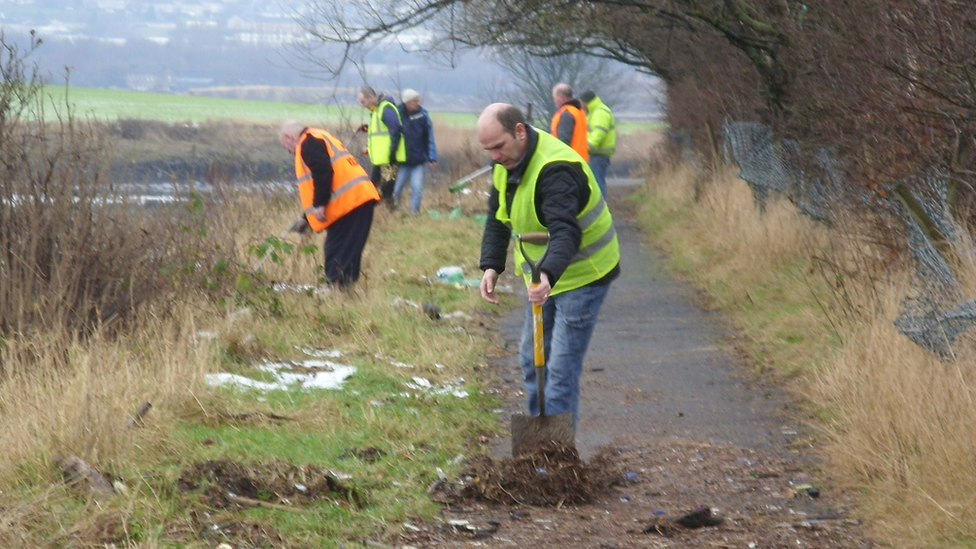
point(530, 433)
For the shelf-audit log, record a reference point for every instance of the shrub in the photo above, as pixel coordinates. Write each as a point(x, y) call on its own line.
point(75, 254)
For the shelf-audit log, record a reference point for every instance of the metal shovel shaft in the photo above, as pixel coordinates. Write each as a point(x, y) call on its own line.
point(267, 252)
point(466, 180)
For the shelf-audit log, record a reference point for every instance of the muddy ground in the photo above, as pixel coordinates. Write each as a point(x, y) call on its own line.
point(678, 446)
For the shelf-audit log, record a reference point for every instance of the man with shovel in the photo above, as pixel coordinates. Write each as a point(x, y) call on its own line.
point(336, 194)
point(542, 187)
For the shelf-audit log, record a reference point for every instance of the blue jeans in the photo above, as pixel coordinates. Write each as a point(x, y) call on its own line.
point(416, 176)
point(599, 164)
point(568, 320)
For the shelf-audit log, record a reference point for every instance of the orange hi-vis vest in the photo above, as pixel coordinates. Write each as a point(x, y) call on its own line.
point(578, 141)
point(351, 187)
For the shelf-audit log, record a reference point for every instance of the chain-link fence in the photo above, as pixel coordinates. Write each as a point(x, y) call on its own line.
point(937, 314)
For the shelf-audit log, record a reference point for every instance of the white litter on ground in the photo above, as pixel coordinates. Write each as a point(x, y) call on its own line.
point(314, 373)
point(299, 288)
point(320, 353)
point(425, 386)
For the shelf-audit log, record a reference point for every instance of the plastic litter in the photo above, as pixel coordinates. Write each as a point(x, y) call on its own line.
point(451, 274)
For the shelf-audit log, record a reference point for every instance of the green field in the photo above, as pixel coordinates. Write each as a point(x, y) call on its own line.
point(109, 104)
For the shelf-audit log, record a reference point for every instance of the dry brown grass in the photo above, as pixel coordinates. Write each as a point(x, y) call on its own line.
point(63, 396)
point(894, 420)
point(745, 255)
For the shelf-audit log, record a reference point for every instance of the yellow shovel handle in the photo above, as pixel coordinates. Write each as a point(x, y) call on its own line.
point(538, 342)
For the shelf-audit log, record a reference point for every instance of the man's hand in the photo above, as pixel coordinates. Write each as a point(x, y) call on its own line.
point(300, 226)
point(539, 293)
point(319, 213)
point(487, 286)
point(362, 129)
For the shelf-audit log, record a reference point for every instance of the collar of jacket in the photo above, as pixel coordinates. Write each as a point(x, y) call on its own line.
point(574, 102)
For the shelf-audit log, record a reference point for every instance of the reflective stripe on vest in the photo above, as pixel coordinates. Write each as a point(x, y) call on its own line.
point(351, 187)
point(378, 139)
point(602, 132)
point(578, 140)
point(599, 250)
point(585, 222)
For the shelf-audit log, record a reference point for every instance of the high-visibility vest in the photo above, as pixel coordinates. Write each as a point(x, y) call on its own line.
point(578, 140)
point(351, 186)
point(599, 250)
point(378, 138)
point(601, 131)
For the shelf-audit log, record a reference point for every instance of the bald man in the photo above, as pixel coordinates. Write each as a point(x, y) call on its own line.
point(569, 121)
point(541, 185)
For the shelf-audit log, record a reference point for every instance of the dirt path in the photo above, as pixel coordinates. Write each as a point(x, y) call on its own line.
point(666, 411)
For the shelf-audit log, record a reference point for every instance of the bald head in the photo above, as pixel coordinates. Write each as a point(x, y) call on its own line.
point(368, 98)
point(561, 93)
point(502, 132)
point(505, 115)
point(291, 131)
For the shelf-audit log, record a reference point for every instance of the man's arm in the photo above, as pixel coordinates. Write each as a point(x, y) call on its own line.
point(565, 127)
point(432, 147)
point(392, 122)
point(598, 126)
point(316, 157)
point(494, 242)
point(561, 194)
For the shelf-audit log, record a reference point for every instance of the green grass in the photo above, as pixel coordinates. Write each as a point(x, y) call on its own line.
point(110, 104)
point(106, 104)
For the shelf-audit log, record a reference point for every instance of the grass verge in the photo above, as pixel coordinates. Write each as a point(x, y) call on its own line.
point(284, 466)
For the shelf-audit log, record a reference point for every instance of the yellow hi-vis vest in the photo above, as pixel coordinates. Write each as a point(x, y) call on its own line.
point(351, 186)
point(378, 138)
point(599, 250)
point(602, 131)
point(578, 140)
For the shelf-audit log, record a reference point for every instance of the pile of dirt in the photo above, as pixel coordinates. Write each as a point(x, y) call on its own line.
point(225, 483)
point(666, 493)
point(552, 476)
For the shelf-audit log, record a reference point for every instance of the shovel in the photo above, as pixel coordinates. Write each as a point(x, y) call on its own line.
point(529, 433)
point(460, 184)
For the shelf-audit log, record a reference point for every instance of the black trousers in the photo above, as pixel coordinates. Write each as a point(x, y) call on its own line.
point(344, 243)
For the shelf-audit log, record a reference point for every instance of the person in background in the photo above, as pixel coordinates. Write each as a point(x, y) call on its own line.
point(336, 194)
point(601, 136)
point(418, 134)
point(384, 141)
point(540, 185)
point(569, 121)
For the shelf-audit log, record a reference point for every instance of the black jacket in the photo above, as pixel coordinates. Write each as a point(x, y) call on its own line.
point(316, 157)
